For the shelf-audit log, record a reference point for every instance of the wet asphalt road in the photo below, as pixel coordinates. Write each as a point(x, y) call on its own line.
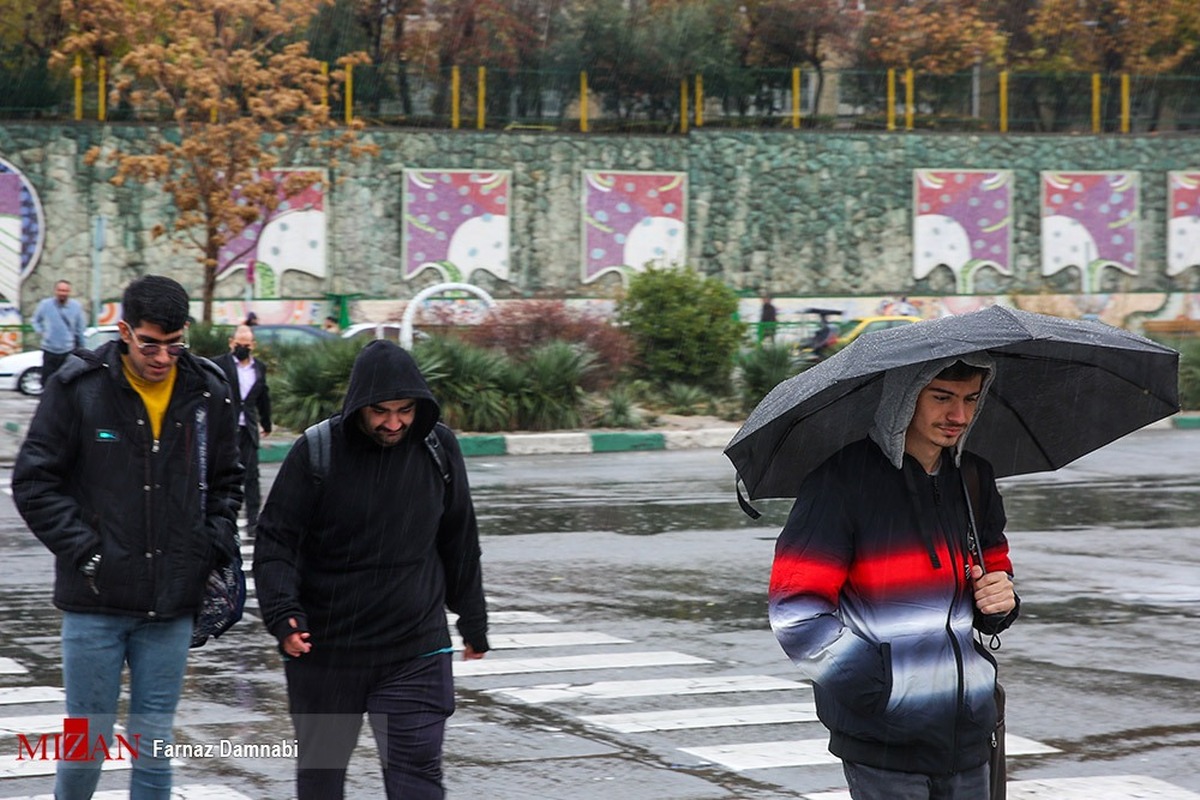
point(651, 548)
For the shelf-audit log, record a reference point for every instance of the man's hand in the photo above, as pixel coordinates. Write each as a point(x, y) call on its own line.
point(296, 644)
point(993, 591)
point(469, 653)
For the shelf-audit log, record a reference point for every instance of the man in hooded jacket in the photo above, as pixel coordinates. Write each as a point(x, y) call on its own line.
point(876, 592)
point(355, 563)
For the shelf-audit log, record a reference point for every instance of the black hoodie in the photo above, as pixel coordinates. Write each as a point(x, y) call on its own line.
point(369, 558)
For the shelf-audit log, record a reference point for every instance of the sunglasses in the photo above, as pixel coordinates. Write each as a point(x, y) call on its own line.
point(175, 349)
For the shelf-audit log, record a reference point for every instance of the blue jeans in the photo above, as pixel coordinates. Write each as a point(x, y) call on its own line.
point(96, 648)
point(870, 783)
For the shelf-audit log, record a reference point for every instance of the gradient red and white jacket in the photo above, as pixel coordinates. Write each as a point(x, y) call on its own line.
point(870, 599)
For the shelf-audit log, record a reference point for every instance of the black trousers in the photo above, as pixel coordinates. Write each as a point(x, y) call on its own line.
point(248, 452)
point(50, 364)
point(408, 705)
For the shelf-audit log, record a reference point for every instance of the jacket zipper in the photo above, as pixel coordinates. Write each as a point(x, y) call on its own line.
point(959, 588)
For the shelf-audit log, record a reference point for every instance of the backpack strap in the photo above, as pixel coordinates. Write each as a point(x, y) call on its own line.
point(318, 437)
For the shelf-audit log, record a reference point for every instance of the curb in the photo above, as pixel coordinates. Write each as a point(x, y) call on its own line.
point(562, 443)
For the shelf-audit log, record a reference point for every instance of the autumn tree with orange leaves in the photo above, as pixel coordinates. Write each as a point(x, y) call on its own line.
point(241, 96)
point(932, 36)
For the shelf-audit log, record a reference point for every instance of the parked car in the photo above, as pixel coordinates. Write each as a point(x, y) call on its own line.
point(276, 335)
point(22, 372)
point(379, 330)
point(851, 329)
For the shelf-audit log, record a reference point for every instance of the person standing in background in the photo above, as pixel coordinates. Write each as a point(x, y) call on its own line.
point(252, 403)
point(59, 321)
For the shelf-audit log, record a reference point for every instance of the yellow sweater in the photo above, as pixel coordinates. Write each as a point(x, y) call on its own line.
point(156, 396)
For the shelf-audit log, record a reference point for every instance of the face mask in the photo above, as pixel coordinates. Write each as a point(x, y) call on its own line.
point(241, 352)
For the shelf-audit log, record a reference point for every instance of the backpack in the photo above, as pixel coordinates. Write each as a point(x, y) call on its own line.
point(318, 437)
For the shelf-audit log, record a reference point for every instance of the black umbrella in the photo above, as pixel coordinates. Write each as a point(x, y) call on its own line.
point(1063, 388)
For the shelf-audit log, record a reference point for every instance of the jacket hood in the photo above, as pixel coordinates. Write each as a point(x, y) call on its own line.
point(901, 386)
point(382, 372)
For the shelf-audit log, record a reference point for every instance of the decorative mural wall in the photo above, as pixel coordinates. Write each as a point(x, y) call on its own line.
point(22, 236)
point(456, 222)
point(632, 219)
point(1090, 222)
point(1183, 221)
point(963, 220)
point(293, 238)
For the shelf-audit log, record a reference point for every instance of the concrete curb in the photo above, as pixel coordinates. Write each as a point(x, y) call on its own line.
point(562, 442)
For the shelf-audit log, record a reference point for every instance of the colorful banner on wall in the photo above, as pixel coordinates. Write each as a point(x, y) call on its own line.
point(631, 220)
point(292, 238)
point(22, 230)
point(1090, 222)
point(963, 220)
point(1183, 221)
point(456, 222)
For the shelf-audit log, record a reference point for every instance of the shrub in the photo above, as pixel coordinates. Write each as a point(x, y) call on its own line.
point(518, 328)
point(209, 340)
point(616, 409)
point(549, 393)
point(682, 398)
point(309, 382)
point(468, 382)
point(762, 369)
point(683, 327)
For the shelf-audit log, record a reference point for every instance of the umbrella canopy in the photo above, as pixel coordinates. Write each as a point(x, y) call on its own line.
point(1062, 389)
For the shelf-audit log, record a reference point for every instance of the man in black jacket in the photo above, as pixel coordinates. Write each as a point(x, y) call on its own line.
point(252, 403)
point(359, 552)
point(130, 476)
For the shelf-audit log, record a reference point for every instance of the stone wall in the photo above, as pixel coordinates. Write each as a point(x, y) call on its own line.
point(795, 214)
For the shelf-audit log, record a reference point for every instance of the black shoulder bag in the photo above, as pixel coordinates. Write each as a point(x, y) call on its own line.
point(998, 774)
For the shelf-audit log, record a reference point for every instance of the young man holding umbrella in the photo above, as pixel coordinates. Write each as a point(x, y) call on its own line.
point(876, 593)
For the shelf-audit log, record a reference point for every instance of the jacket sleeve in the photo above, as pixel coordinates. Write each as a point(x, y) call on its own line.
point(80, 327)
point(458, 548)
point(225, 473)
point(995, 549)
point(264, 401)
point(812, 563)
point(39, 326)
point(41, 476)
point(285, 517)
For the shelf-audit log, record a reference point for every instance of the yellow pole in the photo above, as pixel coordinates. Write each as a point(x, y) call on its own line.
point(891, 100)
point(455, 83)
point(683, 103)
point(349, 93)
point(795, 97)
point(583, 103)
point(699, 101)
point(481, 106)
point(1125, 103)
point(101, 90)
point(1004, 101)
point(78, 87)
point(909, 106)
point(1095, 102)
point(324, 83)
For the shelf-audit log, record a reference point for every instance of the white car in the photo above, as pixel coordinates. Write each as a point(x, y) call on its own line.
point(379, 330)
point(22, 372)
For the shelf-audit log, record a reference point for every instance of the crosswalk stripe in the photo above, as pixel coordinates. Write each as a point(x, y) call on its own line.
point(718, 717)
point(511, 666)
point(511, 618)
point(1115, 787)
point(652, 687)
point(810, 752)
point(10, 666)
point(199, 791)
point(32, 723)
point(13, 695)
point(12, 768)
point(517, 641)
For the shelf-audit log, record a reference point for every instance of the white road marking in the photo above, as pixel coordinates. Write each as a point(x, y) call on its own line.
point(1116, 787)
point(512, 618)
point(514, 666)
point(198, 791)
point(607, 690)
point(9, 666)
point(517, 641)
point(719, 717)
point(12, 695)
point(809, 752)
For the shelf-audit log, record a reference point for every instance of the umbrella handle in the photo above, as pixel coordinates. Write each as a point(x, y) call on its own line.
point(970, 480)
point(747, 509)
